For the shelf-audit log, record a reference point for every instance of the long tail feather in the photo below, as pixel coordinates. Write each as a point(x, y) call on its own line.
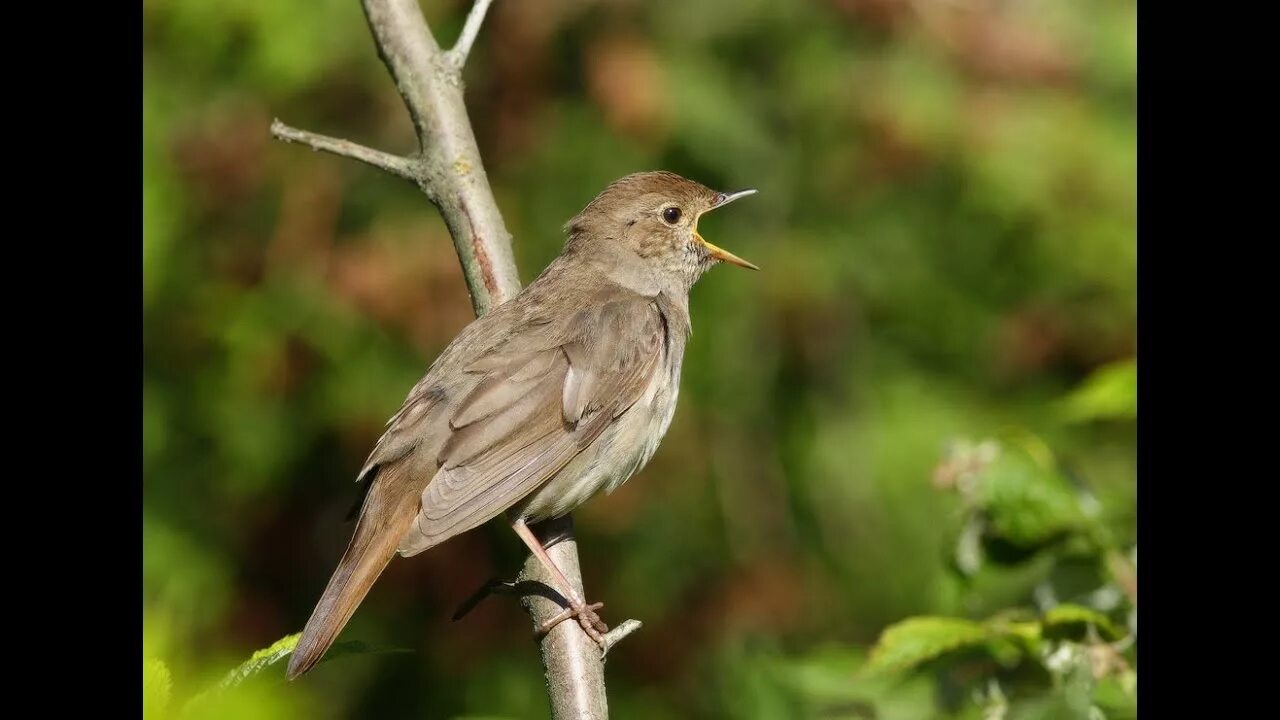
point(388, 511)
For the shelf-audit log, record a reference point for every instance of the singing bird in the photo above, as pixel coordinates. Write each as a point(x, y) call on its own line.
point(561, 392)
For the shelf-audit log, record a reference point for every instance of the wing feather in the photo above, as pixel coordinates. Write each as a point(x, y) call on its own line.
point(546, 392)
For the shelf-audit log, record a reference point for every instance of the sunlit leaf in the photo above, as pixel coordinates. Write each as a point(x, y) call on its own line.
point(1012, 640)
point(261, 660)
point(269, 659)
point(917, 640)
point(1110, 393)
point(156, 688)
point(267, 665)
point(1068, 614)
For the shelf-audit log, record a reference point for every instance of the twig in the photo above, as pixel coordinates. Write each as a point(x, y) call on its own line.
point(448, 170)
point(618, 634)
point(394, 164)
point(475, 18)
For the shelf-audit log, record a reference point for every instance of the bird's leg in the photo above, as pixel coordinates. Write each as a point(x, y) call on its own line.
point(586, 614)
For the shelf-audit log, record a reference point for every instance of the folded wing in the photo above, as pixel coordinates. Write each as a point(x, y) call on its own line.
point(545, 392)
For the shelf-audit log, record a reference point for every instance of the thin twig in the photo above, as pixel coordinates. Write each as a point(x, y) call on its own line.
point(475, 19)
point(618, 634)
point(447, 168)
point(399, 166)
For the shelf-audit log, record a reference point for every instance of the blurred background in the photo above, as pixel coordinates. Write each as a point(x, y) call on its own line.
point(919, 416)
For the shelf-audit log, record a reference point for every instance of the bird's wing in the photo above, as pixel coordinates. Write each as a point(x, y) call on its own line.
point(544, 393)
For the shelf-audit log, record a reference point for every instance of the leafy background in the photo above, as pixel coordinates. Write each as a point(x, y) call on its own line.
point(900, 483)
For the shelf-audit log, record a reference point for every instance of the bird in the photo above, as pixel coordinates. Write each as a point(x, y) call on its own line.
point(561, 392)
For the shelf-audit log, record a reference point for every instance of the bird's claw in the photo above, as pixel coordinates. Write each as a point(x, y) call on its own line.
point(587, 618)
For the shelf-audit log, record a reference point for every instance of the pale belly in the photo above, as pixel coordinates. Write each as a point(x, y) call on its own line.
point(621, 451)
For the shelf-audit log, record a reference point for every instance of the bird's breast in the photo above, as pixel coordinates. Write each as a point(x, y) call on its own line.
point(621, 451)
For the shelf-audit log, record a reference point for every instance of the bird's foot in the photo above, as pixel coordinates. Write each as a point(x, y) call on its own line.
point(587, 618)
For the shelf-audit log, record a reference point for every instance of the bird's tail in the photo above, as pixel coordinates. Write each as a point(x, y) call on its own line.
point(387, 513)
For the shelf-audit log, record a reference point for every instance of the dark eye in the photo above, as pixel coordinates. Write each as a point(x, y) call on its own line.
point(671, 215)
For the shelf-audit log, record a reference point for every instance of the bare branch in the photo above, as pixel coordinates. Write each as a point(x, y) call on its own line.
point(394, 164)
point(475, 19)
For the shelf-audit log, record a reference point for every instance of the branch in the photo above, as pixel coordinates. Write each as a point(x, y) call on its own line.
point(572, 662)
point(475, 18)
point(447, 168)
point(452, 174)
point(394, 164)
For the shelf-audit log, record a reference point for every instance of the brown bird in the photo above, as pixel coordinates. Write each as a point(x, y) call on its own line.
point(561, 392)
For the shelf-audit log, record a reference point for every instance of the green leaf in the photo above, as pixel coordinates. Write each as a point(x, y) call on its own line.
point(1110, 393)
point(1027, 503)
point(267, 664)
point(156, 688)
point(1068, 614)
point(1012, 640)
point(1007, 652)
point(260, 661)
point(916, 640)
point(269, 658)
point(1116, 698)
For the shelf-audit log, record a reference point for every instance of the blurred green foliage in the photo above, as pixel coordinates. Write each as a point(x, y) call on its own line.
point(1060, 659)
point(946, 224)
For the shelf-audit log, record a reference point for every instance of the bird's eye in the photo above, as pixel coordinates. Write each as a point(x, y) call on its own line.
point(671, 215)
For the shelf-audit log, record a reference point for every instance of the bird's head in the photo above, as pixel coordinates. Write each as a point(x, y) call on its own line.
point(646, 226)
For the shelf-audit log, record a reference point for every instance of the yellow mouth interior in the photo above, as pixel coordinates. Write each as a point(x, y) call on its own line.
point(720, 253)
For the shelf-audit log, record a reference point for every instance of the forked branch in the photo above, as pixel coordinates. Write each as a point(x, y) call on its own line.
point(475, 18)
point(447, 164)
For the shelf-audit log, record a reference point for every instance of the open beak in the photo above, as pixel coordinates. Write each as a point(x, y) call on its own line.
point(723, 199)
